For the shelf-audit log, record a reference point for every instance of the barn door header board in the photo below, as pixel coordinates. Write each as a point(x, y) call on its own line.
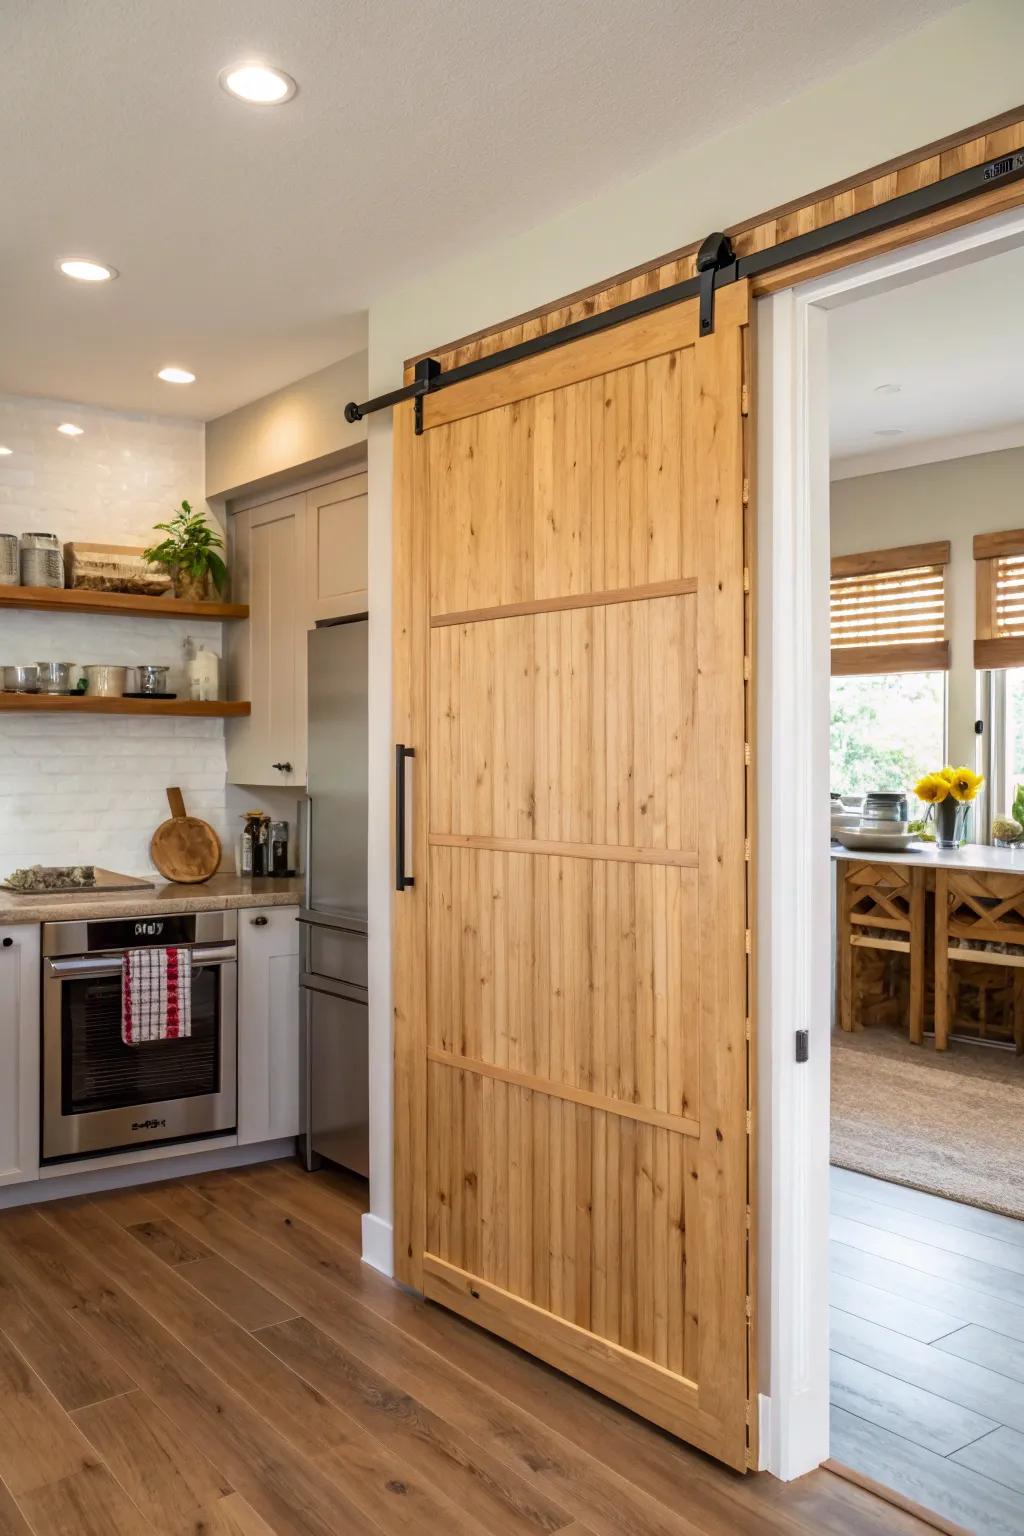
point(571, 955)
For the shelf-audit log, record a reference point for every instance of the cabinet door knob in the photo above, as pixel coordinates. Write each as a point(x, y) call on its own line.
point(8, 941)
point(282, 767)
point(258, 922)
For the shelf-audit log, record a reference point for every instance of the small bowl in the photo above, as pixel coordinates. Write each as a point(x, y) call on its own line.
point(883, 825)
point(54, 676)
point(21, 679)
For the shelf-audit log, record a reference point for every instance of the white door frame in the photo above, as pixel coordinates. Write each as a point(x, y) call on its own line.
point(794, 880)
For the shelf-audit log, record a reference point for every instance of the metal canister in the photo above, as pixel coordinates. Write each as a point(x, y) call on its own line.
point(9, 564)
point(41, 564)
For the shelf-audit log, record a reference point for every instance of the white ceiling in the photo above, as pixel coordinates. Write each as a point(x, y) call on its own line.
point(250, 240)
point(953, 344)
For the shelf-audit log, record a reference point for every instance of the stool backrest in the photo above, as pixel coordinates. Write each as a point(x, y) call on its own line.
point(983, 908)
point(877, 895)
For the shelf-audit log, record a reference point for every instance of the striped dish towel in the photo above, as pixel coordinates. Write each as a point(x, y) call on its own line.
point(156, 995)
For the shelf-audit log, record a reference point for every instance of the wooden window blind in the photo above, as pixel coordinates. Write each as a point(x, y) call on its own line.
point(999, 599)
point(889, 610)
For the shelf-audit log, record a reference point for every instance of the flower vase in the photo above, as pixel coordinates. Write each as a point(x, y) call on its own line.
point(950, 818)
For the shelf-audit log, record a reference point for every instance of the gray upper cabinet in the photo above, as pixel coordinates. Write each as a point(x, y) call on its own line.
point(296, 559)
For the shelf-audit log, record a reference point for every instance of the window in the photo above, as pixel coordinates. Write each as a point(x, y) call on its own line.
point(999, 599)
point(889, 660)
point(889, 610)
point(999, 650)
point(887, 730)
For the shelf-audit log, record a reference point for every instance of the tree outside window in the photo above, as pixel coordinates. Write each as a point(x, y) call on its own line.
point(887, 731)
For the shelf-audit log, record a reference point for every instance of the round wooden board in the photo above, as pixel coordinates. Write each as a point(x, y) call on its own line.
point(186, 850)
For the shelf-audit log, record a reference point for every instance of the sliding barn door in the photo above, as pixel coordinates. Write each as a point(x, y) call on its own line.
point(572, 1154)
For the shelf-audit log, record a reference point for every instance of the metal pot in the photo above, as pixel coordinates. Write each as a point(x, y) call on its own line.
point(152, 679)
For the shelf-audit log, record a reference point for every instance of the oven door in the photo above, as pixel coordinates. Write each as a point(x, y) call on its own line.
point(100, 1095)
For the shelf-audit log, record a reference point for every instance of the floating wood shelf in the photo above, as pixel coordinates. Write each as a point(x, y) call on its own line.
point(80, 600)
point(83, 704)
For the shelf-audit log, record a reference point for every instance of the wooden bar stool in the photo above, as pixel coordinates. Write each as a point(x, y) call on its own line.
point(977, 915)
point(881, 907)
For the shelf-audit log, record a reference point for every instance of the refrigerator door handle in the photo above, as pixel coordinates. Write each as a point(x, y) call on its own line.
point(402, 880)
point(306, 817)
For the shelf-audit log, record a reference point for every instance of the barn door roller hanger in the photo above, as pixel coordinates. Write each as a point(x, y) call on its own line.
point(717, 267)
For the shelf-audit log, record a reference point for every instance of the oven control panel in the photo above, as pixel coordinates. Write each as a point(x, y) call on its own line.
point(140, 932)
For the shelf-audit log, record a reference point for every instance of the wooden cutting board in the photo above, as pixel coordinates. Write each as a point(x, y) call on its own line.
point(185, 849)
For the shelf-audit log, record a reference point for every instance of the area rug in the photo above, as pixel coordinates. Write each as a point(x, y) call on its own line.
point(950, 1123)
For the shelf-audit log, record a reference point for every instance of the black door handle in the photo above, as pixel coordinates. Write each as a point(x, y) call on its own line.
point(402, 880)
point(259, 922)
point(282, 767)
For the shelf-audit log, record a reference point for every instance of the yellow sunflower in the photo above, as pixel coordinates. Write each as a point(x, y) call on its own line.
point(964, 784)
point(947, 773)
point(932, 788)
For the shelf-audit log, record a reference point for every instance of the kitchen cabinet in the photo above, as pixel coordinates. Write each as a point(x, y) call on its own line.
point(268, 1023)
point(266, 658)
point(19, 1052)
point(336, 549)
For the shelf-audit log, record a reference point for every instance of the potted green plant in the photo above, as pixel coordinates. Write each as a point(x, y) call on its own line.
point(190, 553)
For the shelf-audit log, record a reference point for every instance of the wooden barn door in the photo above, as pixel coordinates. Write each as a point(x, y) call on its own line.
point(572, 1155)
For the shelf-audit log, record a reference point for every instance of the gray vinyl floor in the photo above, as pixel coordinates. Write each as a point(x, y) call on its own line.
point(928, 1350)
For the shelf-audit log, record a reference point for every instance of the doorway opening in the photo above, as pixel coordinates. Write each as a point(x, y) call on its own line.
point(896, 437)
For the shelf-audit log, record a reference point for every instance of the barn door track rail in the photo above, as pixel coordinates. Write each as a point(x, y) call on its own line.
point(717, 267)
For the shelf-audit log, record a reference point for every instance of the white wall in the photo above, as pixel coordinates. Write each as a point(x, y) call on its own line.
point(93, 790)
point(955, 72)
point(951, 500)
point(294, 429)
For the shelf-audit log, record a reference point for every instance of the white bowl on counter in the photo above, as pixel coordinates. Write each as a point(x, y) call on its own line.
point(858, 839)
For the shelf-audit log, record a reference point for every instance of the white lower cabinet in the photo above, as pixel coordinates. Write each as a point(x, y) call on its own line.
point(268, 1023)
point(19, 1053)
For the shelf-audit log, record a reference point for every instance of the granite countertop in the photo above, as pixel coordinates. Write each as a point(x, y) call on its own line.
point(219, 894)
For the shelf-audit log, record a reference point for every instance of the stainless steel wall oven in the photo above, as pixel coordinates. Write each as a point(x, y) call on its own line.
point(99, 1095)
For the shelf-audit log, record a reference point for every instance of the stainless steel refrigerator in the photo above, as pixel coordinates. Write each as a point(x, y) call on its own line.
point(333, 948)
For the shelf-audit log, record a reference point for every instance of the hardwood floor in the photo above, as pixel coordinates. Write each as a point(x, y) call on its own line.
point(928, 1350)
point(211, 1358)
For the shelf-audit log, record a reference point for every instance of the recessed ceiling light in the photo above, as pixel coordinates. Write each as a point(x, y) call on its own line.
point(70, 430)
point(889, 432)
point(86, 271)
point(5, 451)
point(176, 376)
point(887, 389)
point(258, 84)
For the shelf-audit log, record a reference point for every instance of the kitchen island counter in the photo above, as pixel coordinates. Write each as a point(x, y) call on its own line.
point(219, 894)
point(1003, 861)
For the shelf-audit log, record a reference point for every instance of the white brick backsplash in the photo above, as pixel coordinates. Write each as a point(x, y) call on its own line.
point(93, 790)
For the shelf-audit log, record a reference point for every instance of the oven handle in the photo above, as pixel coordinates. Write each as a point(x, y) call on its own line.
point(85, 965)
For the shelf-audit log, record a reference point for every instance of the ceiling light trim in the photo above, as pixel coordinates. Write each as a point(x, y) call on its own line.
point(173, 374)
point(254, 68)
point(91, 271)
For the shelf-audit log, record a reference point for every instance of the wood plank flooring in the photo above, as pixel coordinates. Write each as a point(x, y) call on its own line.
point(928, 1351)
point(210, 1358)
